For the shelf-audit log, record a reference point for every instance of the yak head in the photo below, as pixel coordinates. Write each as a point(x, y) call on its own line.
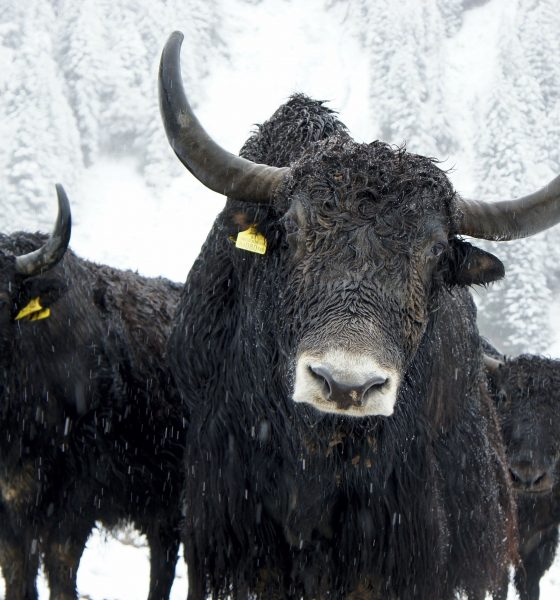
point(369, 239)
point(369, 248)
point(526, 392)
point(26, 290)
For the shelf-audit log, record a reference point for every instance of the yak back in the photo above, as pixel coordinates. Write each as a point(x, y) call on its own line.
point(87, 393)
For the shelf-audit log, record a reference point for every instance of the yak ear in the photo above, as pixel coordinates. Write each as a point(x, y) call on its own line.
point(495, 377)
point(48, 289)
point(469, 265)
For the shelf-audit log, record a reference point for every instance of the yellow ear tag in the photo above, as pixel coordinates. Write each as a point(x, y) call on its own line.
point(34, 311)
point(42, 314)
point(251, 240)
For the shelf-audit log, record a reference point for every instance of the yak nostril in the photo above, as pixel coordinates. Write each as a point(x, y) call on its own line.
point(345, 394)
point(526, 475)
point(539, 478)
point(515, 475)
point(323, 375)
point(377, 381)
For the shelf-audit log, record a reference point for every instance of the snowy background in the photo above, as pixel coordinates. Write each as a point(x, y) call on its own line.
point(475, 83)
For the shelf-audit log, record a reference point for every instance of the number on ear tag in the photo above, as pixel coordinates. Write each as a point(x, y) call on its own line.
point(251, 240)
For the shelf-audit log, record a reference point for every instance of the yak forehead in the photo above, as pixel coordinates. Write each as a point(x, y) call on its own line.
point(369, 204)
point(532, 382)
point(342, 185)
point(532, 410)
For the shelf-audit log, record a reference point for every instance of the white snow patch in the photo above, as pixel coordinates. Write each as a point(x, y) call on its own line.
point(122, 222)
point(471, 72)
point(268, 65)
point(554, 312)
point(111, 569)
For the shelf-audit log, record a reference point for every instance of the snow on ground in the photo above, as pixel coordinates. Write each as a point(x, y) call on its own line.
point(119, 570)
point(116, 568)
point(163, 237)
point(113, 569)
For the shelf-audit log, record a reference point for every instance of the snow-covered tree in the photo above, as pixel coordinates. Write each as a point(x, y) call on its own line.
point(40, 146)
point(512, 162)
point(78, 85)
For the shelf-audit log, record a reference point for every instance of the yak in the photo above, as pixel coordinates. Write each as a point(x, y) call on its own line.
point(526, 392)
point(326, 348)
point(91, 423)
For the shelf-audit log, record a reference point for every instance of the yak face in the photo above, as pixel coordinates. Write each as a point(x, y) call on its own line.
point(527, 395)
point(25, 294)
point(370, 247)
point(23, 298)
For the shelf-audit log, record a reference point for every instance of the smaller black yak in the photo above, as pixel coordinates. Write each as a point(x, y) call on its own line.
point(90, 424)
point(526, 392)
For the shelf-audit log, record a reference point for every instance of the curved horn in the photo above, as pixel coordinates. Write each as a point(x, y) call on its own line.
point(511, 219)
point(213, 166)
point(492, 364)
point(52, 251)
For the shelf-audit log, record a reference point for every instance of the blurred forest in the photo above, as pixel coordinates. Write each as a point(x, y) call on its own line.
point(77, 86)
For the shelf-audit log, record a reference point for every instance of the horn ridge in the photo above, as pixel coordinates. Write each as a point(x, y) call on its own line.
point(511, 219)
point(217, 169)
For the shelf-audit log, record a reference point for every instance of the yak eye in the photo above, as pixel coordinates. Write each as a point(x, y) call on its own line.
point(438, 249)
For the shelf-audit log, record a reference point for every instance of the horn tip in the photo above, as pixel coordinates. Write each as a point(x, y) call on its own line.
point(64, 213)
point(176, 37)
point(62, 196)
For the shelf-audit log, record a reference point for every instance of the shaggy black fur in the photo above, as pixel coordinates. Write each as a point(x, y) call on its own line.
point(526, 391)
point(91, 426)
point(284, 502)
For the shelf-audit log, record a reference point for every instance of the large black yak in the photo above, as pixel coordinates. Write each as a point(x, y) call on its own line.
point(339, 446)
point(90, 425)
point(526, 391)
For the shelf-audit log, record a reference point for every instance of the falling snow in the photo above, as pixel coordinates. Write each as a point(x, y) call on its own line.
point(476, 83)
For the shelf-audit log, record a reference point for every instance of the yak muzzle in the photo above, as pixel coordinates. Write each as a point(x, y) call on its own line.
point(344, 383)
point(531, 477)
